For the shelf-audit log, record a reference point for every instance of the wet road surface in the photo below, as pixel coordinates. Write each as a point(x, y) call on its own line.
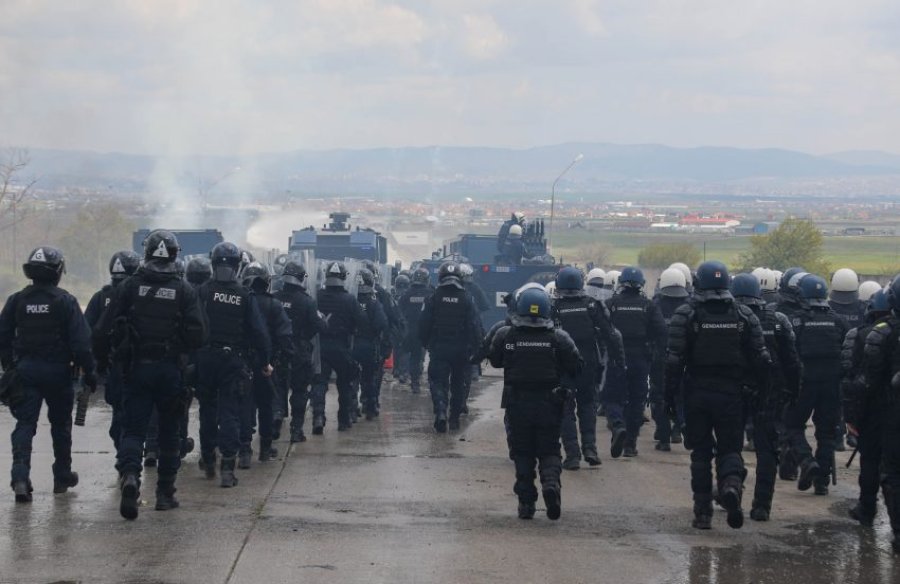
point(391, 501)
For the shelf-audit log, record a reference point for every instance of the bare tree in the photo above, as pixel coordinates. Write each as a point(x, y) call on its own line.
point(14, 189)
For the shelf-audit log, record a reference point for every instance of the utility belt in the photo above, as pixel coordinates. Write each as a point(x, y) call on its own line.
point(155, 352)
point(239, 352)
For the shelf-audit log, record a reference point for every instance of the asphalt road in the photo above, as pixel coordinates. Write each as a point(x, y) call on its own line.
point(393, 502)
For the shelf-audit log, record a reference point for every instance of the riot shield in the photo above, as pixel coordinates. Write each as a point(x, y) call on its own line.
point(352, 283)
point(385, 276)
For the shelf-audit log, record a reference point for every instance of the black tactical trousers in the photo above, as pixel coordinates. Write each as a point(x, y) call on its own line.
point(714, 428)
point(870, 452)
point(819, 397)
point(447, 372)
point(335, 358)
point(534, 421)
point(765, 439)
point(223, 385)
point(583, 403)
point(890, 462)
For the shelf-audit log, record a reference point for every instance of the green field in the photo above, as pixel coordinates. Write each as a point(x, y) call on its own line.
point(866, 255)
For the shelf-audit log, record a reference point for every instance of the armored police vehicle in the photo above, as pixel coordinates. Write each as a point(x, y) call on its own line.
point(338, 241)
point(496, 275)
point(193, 242)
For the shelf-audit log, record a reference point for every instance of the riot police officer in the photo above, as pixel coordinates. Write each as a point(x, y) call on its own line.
point(367, 344)
point(587, 322)
point(294, 376)
point(122, 265)
point(257, 279)
point(411, 304)
point(450, 328)
point(672, 294)
point(517, 219)
point(514, 249)
point(42, 335)
point(643, 329)
point(152, 323)
point(881, 367)
point(344, 316)
point(535, 356)
point(715, 345)
point(401, 355)
point(198, 271)
point(863, 411)
point(844, 297)
point(820, 335)
point(765, 404)
point(225, 365)
point(394, 332)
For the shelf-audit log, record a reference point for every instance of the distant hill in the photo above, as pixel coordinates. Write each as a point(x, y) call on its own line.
point(452, 169)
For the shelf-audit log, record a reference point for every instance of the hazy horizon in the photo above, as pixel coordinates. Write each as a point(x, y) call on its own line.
point(235, 78)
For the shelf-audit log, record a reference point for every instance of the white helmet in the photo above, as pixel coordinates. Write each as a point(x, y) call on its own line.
point(466, 270)
point(672, 277)
point(684, 269)
point(515, 231)
point(528, 286)
point(596, 274)
point(759, 274)
point(778, 274)
point(769, 282)
point(550, 287)
point(867, 289)
point(519, 216)
point(612, 279)
point(845, 280)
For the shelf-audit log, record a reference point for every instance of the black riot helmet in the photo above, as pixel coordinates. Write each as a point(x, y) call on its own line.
point(226, 259)
point(448, 271)
point(123, 264)
point(786, 277)
point(198, 271)
point(893, 294)
point(45, 265)
point(180, 267)
point(631, 277)
point(335, 274)
point(294, 273)
point(401, 283)
point(746, 286)
point(161, 247)
point(371, 266)
point(256, 277)
point(712, 275)
point(246, 259)
point(421, 277)
point(366, 281)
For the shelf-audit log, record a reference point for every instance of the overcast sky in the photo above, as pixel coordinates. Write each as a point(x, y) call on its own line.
point(240, 77)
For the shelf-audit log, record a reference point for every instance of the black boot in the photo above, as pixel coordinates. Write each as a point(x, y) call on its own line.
point(244, 458)
point(526, 510)
point(730, 498)
point(821, 486)
point(64, 483)
point(590, 455)
point(572, 462)
point(318, 424)
point(630, 450)
point(863, 515)
point(760, 510)
point(617, 443)
point(703, 511)
point(277, 422)
point(663, 446)
point(187, 446)
point(440, 422)
point(227, 473)
point(131, 492)
point(208, 465)
point(266, 451)
point(165, 496)
point(150, 458)
point(809, 472)
point(297, 434)
point(676, 435)
point(553, 502)
point(22, 491)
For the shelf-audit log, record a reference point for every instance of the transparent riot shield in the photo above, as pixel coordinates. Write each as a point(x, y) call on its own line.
point(352, 282)
point(385, 276)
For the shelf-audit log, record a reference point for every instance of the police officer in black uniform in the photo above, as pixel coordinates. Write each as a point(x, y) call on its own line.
point(395, 329)
point(122, 265)
point(225, 365)
point(881, 368)
point(198, 271)
point(401, 355)
point(820, 335)
point(790, 304)
point(258, 404)
point(715, 345)
point(411, 304)
point(765, 405)
point(863, 411)
point(450, 328)
point(344, 316)
point(295, 376)
point(844, 297)
point(643, 329)
point(42, 336)
point(672, 295)
point(367, 343)
point(535, 357)
point(587, 322)
point(153, 321)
